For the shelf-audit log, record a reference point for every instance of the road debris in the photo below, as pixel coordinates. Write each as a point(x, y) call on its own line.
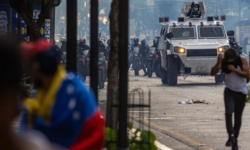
point(194, 102)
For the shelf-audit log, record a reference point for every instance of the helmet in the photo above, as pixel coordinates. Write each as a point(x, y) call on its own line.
point(136, 41)
point(155, 41)
point(82, 41)
point(62, 39)
point(143, 42)
point(100, 41)
point(108, 42)
point(195, 6)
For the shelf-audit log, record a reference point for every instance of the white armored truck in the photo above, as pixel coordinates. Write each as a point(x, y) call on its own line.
point(191, 44)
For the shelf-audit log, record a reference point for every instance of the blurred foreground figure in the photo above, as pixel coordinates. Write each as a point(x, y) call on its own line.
point(63, 109)
point(10, 79)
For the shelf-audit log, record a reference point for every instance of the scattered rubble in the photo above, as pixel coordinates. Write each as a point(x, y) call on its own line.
point(194, 102)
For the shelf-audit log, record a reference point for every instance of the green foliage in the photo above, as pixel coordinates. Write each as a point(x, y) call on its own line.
point(110, 139)
point(138, 140)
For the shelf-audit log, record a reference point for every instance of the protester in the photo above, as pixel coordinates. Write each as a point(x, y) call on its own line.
point(236, 71)
point(64, 110)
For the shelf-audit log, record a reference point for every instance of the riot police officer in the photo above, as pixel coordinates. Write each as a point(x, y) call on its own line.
point(102, 47)
point(82, 46)
point(134, 44)
point(63, 46)
point(143, 53)
point(194, 11)
point(63, 50)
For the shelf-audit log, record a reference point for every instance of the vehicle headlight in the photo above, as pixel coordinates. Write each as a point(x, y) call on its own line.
point(223, 48)
point(179, 50)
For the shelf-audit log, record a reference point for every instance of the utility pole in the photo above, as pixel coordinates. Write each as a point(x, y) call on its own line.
point(50, 14)
point(71, 35)
point(216, 2)
point(239, 19)
point(94, 46)
point(123, 75)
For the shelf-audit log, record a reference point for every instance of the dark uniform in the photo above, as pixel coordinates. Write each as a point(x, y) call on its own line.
point(63, 51)
point(143, 53)
point(102, 48)
point(135, 44)
point(80, 48)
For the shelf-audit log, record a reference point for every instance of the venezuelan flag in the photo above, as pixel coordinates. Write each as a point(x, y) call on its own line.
point(66, 113)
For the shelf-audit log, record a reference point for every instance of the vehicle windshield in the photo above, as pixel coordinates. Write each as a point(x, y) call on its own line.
point(183, 32)
point(211, 32)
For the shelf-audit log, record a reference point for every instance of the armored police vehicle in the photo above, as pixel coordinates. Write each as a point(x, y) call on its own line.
point(191, 44)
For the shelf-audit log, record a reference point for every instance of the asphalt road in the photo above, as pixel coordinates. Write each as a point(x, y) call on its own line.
point(190, 126)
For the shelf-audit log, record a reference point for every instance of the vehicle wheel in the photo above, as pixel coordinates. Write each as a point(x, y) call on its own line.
point(219, 78)
point(172, 70)
point(150, 72)
point(164, 76)
point(100, 79)
point(158, 70)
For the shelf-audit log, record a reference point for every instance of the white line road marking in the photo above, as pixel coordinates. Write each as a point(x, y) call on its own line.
point(161, 146)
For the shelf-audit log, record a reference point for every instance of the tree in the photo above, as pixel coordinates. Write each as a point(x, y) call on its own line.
point(21, 7)
point(112, 94)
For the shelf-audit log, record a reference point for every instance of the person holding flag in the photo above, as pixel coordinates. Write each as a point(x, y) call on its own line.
point(64, 110)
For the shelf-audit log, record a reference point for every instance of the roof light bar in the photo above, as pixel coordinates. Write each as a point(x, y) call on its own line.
point(216, 18)
point(181, 19)
point(209, 18)
point(223, 18)
point(161, 20)
point(166, 19)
